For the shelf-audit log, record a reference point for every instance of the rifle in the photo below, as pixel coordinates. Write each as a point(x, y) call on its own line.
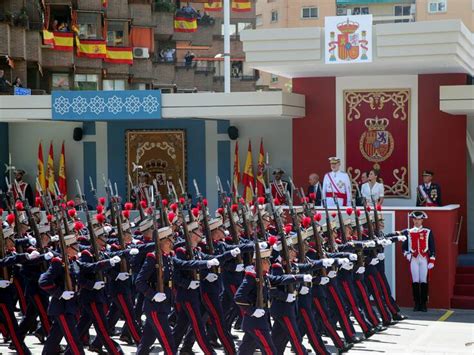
point(187, 237)
point(228, 211)
point(243, 212)
point(187, 205)
point(64, 216)
point(67, 275)
point(136, 190)
point(259, 303)
point(156, 238)
point(93, 191)
point(296, 223)
point(116, 208)
point(5, 273)
point(163, 217)
point(342, 226)
point(328, 225)
point(359, 251)
point(376, 218)
point(11, 204)
point(108, 192)
point(90, 227)
point(44, 200)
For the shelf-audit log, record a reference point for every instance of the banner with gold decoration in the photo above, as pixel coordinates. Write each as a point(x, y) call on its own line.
point(377, 137)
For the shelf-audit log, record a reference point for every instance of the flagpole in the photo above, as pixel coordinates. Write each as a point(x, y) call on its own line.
point(227, 46)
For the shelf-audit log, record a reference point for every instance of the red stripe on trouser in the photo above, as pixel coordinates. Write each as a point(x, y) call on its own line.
point(386, 295)
point(341, 311)
point(11, 329)
point(229, 348)
point(128, 318)
point(42, 312)
point(70, 340)
point(21, 295)
point(197, 331)
point(357, 314)
point(158, 326)
point(233, 289)
point(296, 341)
point(368, 306)
point(310, 330)
point(378, 299)
point(335, 337)
point(266, 346)
point(102, 328)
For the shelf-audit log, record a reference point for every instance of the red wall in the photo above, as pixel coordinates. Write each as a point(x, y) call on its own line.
point(442, 143)
point(314, 136)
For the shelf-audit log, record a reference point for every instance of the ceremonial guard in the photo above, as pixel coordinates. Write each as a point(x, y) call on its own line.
point(336, 184)
point(25, 188)
point(279, 187)
point(419, 249)
point(428, 193)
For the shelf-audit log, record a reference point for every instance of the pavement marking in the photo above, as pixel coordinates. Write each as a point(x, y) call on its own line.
point(445, 316)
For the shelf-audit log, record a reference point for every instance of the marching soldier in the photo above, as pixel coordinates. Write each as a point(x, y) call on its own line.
point(336, 184)
point(279, 186)
point(428, 193)
point(419, 249)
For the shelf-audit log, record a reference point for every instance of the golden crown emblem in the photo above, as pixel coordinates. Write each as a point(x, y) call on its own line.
point(155, 164)
point(376, 124)
point(348, 26)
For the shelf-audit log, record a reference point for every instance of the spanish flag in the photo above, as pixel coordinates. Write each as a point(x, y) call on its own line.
point(261, 171)
point(91, 48)
point(50, 171)
point(185, 24)
point(247, 178)
point(213, 5)
point(105, 3)
point(63, 41)
point(48, 37)
point(119, 55)
point(241, 5)
point(236, 177)
point(62, 182)
point(40, 168)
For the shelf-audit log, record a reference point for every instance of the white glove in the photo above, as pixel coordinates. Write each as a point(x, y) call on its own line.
point(114, 260)
point(159, 297)
point(122, 276)
point(277, 246)
point(263, 245)
point(307, 278)
point(134, 251)
point(212, 262)
point(211, 277)
point(193, 285)
point(348, 266)
point(304, 290)
point(328, 262)
point(32, 241)
point(259, 313)
point(239, 267)
point(430, 266)
point(408, 256)
point(54, 238)
point(343, 261)
point(388, 242)
point(4, 283)
point(332, 274)
point(360, 270)
point(99, 285)
point(381, 256)
point(48, 256)
point(380, 241)
point(33, 255)
point(402, 238)
point(234, 252)
point(370, 244)
point(324, 280)
point(290, 298)
point(67, 295)
point(374, 261)
point(353, 257)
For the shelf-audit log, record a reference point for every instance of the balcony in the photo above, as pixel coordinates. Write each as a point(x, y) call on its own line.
point(52, 58)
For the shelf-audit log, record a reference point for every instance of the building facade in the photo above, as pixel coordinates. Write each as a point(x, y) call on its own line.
point(145, 26)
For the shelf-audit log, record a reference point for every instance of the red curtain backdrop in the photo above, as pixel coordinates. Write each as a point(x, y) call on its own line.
point(377, 137)
point(142, 37)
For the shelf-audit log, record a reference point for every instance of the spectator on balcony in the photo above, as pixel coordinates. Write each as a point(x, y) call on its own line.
point(189, 10)
point(169, 55)
point(55, 26)
point(198, 15)
point(63, 27)
point(4, 83)
point(17, 83)
point(188, 59)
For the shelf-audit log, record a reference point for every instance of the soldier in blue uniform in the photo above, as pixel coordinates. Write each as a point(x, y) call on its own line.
point(428, 193)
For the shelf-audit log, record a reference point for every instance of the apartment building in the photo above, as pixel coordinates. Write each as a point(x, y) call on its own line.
point(145, 27)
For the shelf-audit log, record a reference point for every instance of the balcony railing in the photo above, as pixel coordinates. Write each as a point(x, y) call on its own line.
point(393, 18)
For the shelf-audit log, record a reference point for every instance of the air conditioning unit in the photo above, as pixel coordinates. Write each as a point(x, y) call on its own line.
point(341, 11)
point(141, 52)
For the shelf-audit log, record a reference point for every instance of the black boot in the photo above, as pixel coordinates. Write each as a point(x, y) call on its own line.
point(423, 296)
point(416, 296)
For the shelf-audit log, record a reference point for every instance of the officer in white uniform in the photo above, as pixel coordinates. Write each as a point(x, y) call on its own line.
point(337, 184)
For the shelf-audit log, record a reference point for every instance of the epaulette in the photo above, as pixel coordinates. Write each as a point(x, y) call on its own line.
point(86, 253)
point(252, 274)
point(180, 250)
point(276, 265)
point(151, 255)
point(56, 260)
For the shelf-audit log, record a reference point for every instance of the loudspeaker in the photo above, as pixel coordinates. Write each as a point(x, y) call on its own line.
point(77, 134)
point(233, 132)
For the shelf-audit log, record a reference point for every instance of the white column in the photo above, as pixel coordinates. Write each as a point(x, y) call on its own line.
point(227, 46)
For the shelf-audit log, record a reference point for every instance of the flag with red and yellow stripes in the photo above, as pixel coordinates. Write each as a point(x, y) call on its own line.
point(40, 168)
point(63, 41)
point(119, 55)
point(261, 171)
point(213, 5)
point(247, 177)
point(50, 171)
point(236, 175)
point(91, 48)
point(48, 37)
point(185, 24)
point(241, 5)
point(105, 3)
point(62, 182)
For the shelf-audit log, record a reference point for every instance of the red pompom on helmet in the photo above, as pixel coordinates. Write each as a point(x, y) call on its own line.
point(143, 204)
point(49, 217)
point(349, 211)
point(333, 214)
point(11, 219)
point(71, 204)
point(276, 201)
point(78, 226)
point(149, 211)
point(204, 201)
point(128, 206)
point(227, 199)
point(261, 200)
point(241, 200)
point(99, 208)
point(235, 207)
point(272, 240)
point(318, 216)
point(306, 222)
point(195, 212)
point(369, 208)
point(198, 205)
point(174, 207)
point(63, 206)
point(305, 199)
point(312, 196)
point(100, 218)
point(164, 202)
point(19, 206)
point(126, 214)
point(38, 202)
point(101, 201)
point(182, 200)
point(172, 217)
point(288, 228)
point(379, 207)
point(220, 211)
point(72, 212)
point(358, 212)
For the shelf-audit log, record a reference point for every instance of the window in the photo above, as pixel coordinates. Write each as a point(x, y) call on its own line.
point(309, 12)
point(244, 26)
point(232, 28)
point(113, 85)
point(138, 86)
point(86, 81)
point(259, 20)
point(117, 33)
point(90, 25)
point(274, 16)
point(402, 10)
point(437, 6)
point(360, 11)
point(274, 78)
point(60, 81)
